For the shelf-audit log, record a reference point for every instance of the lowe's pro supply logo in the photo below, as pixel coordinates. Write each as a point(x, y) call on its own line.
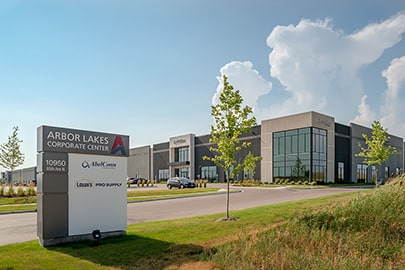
point(98, 164)
point(90, 184)
point(84, 183)
point(118, 146)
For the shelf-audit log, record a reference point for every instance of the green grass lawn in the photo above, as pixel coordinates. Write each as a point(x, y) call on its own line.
point(159, 245)
point(28, 203)
point(360, 230)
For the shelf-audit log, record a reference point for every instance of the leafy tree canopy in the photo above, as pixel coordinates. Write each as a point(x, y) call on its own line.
point(231, 121)
point(10, 154)
point(377, 150)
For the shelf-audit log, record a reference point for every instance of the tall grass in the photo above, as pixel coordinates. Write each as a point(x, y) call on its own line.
point(367, 232)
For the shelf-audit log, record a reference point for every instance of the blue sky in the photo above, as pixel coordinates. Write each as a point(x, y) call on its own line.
point(151, 69)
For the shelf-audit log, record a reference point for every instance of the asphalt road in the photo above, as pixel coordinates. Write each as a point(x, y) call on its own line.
point(22, 227)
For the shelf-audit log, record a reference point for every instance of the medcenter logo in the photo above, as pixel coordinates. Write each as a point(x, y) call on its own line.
point(99, 164)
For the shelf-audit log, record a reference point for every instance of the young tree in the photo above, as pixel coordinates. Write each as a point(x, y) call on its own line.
point(231, 121)
point(298, 171)
point(377, 150)
point(10, 154)
point(249, 163)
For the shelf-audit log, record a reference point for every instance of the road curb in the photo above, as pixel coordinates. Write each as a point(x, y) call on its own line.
point(151, 200)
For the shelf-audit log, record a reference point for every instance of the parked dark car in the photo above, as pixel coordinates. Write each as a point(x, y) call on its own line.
point(180, 182)
point(134, 180)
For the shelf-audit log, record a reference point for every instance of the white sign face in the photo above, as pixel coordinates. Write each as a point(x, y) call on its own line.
point(97, 193)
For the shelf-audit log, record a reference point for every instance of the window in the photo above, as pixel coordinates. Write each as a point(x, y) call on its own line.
point(247, 175)
point(319, 155)
point(163, 174)
point(341, 171)
point(288, 145)
point(209, 173)
point(361, 173)
point(276, 148)
point(181, 154)
point(184, 172)
point(294, 144)
point(374, 176)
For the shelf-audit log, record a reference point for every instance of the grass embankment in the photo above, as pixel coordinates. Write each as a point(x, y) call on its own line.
point(366, 232)
point(26, 203)
point(142, 195)
point(363, 230)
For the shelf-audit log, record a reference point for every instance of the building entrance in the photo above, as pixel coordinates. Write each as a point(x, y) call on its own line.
point(182, 172)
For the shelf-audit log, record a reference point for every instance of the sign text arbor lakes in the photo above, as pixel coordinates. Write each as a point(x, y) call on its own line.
point(79, 141)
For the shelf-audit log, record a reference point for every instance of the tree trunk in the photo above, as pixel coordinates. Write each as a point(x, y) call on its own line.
point(227, 196)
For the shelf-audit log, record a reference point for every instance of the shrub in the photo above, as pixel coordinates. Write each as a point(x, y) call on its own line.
point(20, 192)
point(31, 192)
point(2, 192)
point(10, 192)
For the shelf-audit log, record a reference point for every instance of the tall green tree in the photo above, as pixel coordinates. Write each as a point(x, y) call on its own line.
point(231, 120)
point(10, 154)
point(377, 151)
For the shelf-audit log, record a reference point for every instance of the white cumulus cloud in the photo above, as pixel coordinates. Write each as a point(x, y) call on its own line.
point(366, 115)
point(243, 77)
point(319, 65)
point(393, 109)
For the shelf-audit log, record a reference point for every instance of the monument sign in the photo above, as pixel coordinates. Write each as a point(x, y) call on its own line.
point(81, 184)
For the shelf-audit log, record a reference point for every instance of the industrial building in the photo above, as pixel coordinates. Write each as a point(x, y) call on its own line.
point(310, 146)
point(311, 143)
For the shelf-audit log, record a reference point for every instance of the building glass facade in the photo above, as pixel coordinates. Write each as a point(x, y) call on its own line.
point(300, 154)
point(292, 154)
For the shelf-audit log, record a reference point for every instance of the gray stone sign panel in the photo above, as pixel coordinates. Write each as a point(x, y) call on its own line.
point(64, 140)
point(52, 162)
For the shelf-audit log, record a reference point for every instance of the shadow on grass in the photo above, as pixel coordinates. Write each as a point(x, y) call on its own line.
point(132, 252)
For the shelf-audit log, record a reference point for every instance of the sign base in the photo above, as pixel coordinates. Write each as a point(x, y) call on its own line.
point(78, 238)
